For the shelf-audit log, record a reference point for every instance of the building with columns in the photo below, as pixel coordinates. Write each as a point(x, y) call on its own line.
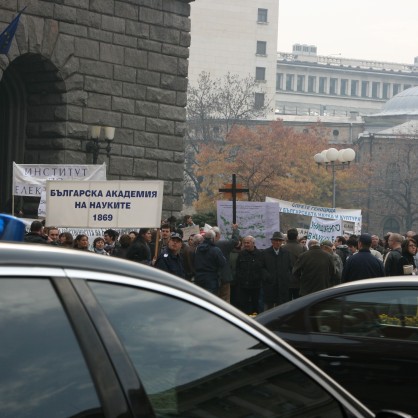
point(311, 84)
point(236, 36)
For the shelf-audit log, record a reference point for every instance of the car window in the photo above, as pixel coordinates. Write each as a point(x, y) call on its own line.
point(43, 373)
point(193, 363)
point(381, 314)
point(326, 316)
point(384, 314)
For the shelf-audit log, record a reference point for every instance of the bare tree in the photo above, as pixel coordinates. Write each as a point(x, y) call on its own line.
point(393, 182)
point(214, 107)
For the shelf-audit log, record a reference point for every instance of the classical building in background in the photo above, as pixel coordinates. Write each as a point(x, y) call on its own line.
point(112, 63)
point(236, 36)
point(312, 84)
point(389, 146)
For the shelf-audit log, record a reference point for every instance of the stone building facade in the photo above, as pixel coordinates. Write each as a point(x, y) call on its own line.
point(74, 64)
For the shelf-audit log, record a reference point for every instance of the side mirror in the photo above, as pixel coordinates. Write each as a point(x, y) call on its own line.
point(11, 228)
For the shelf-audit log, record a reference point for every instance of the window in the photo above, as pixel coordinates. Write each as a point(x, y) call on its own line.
point(385, 91)
point(380, 314)
point(354, 88)
point(279, 81)
point(375, 89)
point(406, 86)
point(289, 82)
point(344, 87)
point(392, 225)
point(261, 48)
point(258, 100)
point(322, 85)
point(43, 372)
point(300, 84)
point(194, 363)
point(333, 82)
point(262, 16)
point(396, 89)
point(364, 89)
point(311, 84)
point(393, 174)
point(260, 73)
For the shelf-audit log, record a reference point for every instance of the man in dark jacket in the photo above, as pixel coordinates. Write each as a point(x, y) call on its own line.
point(208, 262)
point(363, 264)
point(341, 248)
point(295, 249)
point(393, 265)
point(226, 246)
point(36, 236)
point(249, 273)
point(139, 250)
point(277, 264)
point(171, 260)
point(314, 269)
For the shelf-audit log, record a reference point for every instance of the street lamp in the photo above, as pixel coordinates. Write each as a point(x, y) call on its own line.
point(94, 145)
point(337, 160)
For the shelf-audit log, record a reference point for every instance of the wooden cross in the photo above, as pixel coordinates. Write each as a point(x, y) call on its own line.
point(233, 190)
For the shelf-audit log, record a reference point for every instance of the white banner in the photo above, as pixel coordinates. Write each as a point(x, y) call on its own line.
point(353, 215)
point(104, 204)
point(321, 229)
point(30, 179)
point(259, 219)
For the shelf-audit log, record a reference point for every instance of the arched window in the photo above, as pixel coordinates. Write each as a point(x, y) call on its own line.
point(391, 225)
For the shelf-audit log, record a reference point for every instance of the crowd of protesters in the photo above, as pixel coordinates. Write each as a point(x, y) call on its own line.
point(237, 271)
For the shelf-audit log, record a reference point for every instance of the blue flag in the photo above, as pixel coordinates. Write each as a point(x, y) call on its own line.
point(7, 35)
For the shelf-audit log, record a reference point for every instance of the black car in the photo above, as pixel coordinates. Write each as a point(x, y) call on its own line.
point(364, 334)
point(84, 335)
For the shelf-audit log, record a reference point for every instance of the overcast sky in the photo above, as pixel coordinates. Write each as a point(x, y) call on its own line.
point(382, 30)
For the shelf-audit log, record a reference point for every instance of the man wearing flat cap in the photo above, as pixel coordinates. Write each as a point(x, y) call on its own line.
point(363, 264)
point(277, 269)
point(170, 259)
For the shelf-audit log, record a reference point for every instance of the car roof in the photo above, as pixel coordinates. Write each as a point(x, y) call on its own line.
point(49, 256)
point(14, 254)
point(380, 283)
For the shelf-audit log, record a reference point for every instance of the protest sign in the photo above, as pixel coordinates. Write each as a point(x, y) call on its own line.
point(258, 219)
point(30, 179)
point(190, 230)
point(104, 204)
point(350, 215)
point(322, 229)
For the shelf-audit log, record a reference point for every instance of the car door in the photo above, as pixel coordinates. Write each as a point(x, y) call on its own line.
point(43, 370)
point(194, 362)
point(368, 342)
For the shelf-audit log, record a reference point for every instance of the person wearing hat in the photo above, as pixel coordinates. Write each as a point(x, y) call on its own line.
point(327, 246)
point(171, 260)
point(363, 264)
point(277, 265)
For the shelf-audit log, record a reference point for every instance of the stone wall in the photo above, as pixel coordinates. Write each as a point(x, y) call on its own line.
point(110, 63)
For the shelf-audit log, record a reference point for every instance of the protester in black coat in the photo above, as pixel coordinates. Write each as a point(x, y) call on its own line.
point(249, 273)
point(208, 263)
point(140, 251)
point(277, 264)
